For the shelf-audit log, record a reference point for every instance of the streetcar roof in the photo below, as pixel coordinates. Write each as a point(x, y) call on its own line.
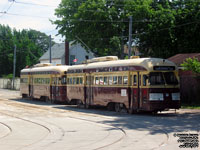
point(147, 63)
point(59, 69)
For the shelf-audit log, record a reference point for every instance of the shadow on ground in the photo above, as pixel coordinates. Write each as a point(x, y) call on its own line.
point(168, 121)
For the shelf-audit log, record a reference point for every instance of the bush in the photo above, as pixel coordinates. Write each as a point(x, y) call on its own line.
point(192, 65)
point(9, 76)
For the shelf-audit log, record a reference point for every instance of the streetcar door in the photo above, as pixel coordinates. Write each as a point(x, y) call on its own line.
point(89, 90)
point(139, 100)
point(54, 88)
point(134, 96)
point(31, 87)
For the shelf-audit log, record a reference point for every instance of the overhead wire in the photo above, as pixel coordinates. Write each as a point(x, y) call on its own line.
point(4, 12)
point(34, 4)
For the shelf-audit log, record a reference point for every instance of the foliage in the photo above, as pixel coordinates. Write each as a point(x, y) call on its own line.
point(187, 106)
point(192, 64)
point(9, 76)
point(30, 45)
point(161, 28)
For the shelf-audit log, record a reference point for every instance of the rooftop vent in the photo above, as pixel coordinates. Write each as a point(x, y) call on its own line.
point(102, 59)
point(42, 65)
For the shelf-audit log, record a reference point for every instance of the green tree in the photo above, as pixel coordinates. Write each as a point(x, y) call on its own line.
point(98, 23)
point(161, 28)
point(192, 65)
point(31, 44)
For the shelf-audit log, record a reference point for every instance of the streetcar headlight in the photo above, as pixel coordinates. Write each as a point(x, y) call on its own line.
point(156, 96)
point(175, 96)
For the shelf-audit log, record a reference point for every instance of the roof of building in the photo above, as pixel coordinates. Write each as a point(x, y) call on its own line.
point(180, 58)
point(57, 51)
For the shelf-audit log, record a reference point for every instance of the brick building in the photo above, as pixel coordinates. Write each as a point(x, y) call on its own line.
point(189, 81)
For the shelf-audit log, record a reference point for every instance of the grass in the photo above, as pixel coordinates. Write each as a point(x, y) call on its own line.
point(190, 106)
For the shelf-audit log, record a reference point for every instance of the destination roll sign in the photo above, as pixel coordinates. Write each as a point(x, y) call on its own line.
point(163, 68)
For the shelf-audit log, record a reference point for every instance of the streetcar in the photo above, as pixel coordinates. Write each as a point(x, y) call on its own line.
point(44, 82)
point(138, 84)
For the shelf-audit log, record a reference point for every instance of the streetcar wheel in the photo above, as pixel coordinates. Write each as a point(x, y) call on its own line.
point(24, 95)
point(111, 107)
point(117, 107)
point(80, 104)
point(47, 100)
point(130, 111)
point(87, 106)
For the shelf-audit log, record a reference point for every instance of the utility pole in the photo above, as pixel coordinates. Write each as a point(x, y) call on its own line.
point(14, 66)
point(130, 37)
point(49, 48)
point(122, 45)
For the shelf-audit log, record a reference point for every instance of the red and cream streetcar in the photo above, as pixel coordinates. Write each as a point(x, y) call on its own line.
point(139, 84)
point(44, 82)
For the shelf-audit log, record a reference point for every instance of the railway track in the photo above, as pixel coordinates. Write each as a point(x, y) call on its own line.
point(32, 109)
point(8, 128)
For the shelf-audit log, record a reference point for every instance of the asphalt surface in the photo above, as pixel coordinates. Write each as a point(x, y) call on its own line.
point(35, 125)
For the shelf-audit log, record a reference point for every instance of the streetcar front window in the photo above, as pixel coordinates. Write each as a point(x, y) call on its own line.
point(161, 78)
point(170, 78)
point(156, 78)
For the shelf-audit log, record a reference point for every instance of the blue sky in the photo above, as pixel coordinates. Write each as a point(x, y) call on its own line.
point(30, 14)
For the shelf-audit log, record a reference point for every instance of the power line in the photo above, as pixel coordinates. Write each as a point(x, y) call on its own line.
point(34, 4)
point(7, 9)
point(6, 13)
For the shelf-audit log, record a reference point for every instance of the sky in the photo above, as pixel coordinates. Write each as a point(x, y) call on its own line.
point(30, 14)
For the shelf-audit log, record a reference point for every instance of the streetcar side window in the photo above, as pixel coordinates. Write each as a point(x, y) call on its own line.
point(125, 80)
point(63, 80)
point(145, 77)
point(110, 80)
point(101, 80)
point(77, 80)
point(135, 80)
point(97, 80)
point(81, 80)
point(119, 79)
point(48, 80)
point(70, 80)
point(115, 80)
point(74, 80)
point(105, 80)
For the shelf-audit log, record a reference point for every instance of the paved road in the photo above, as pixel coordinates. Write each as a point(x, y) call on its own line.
point(35, 125)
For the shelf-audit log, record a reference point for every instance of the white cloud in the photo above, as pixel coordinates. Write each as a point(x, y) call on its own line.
point(27, 16)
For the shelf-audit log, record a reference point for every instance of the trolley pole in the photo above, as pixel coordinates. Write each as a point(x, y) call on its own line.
point(49, 48)
point(130, 37)
point(14, 67)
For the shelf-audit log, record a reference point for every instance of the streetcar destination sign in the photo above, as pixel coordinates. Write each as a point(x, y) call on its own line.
point(163, 68)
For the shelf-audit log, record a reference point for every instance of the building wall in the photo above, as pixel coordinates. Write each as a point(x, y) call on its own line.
point(75, 52)
point(78, 52)
point(189, 87)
